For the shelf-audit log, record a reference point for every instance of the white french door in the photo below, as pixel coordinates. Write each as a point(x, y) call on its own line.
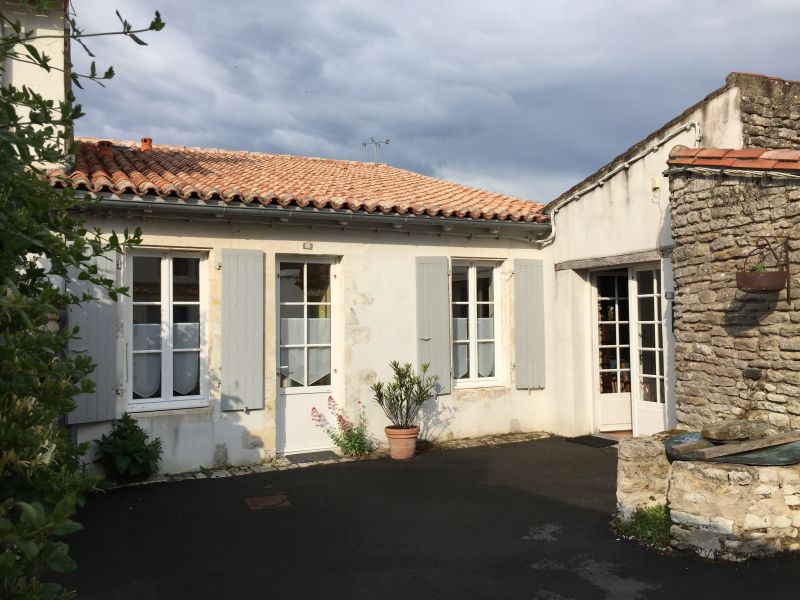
point(304, 353)
point(613, 351)
point(630, 367)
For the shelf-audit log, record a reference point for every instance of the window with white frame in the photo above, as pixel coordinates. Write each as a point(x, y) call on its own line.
point(167, 358)
point(473, 293)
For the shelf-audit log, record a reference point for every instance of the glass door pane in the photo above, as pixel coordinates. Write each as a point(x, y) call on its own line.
point(649, 328)
point(613, 337)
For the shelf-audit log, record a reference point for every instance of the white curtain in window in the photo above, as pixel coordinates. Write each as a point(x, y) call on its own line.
point(460, 360)
point(319, 364)
point(146, 374)
point(186, 335)
point(486, 329)
point(486, 360)
point(185, 372)
point(147, 336)
point(293, 366)
point(292, 331)
point(319, 331)
point(460, 329)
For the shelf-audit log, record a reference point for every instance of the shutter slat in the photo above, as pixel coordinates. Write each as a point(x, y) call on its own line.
point(433, 318)
point(242, 329)
point(97, 320)
point(529, 323)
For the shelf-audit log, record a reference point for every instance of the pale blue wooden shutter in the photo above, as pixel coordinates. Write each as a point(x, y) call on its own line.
point(98, 324)
point(529, 323)
point(433, 318)
point(242, 329)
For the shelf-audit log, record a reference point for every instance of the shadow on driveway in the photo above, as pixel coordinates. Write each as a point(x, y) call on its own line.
point(527, 520)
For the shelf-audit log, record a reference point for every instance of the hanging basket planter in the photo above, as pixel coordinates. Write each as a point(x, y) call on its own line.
point(761, 282)
point(756, 278)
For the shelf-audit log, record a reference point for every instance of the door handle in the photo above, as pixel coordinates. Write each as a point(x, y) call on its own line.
point(425, 339)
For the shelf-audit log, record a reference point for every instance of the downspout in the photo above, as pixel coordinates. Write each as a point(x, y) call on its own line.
point(622, 167)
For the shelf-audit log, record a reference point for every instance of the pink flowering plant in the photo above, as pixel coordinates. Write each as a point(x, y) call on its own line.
point(351, 437)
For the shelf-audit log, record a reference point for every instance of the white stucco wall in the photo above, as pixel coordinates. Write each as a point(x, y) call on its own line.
point(374, 321)
point(628, 214)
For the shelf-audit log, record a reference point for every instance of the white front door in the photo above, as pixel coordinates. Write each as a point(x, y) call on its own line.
point(650, 406)
point(304, 370)
point(613, 351)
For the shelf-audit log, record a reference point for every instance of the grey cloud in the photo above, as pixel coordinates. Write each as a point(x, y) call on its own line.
point(521, 97)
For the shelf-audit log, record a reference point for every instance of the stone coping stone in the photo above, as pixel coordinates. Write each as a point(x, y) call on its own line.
point(785, 454)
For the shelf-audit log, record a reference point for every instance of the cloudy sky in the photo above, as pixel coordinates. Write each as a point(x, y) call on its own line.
point(521, 97)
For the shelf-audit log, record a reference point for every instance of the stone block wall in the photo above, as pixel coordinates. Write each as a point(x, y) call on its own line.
point(770, 110)
point(737, 354)
point(642, 474)
point(732, 511)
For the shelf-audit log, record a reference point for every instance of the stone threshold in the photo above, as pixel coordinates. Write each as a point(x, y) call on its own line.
point(281, 463)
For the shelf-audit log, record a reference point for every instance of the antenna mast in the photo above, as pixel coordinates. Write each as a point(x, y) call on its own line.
point(376, 144)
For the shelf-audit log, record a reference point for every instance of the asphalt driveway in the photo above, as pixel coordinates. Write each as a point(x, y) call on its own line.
point(526, 520)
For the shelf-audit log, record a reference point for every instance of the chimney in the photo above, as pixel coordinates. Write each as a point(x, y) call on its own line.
point(105, 148)
point(147, 144)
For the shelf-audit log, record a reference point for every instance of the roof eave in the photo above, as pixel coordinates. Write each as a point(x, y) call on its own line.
point(310, 216)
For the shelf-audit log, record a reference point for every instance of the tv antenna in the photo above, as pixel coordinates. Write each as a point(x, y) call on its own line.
point(377, 145)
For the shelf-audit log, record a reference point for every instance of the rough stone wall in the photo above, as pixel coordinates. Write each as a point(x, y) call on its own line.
point(734, 511)
point(642, 474)
point(770, 111)
point(737, 354)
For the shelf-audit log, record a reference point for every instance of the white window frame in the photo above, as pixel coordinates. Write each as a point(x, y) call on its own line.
point(472, 314)
point(169, 402)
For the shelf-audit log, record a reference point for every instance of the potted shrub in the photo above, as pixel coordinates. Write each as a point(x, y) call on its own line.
point(401, 399)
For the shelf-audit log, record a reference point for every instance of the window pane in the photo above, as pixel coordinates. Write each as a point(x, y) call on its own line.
point(622, 306)
point(319, 325)
point(608, 383)
point(662, 397)
point(147, 336)
point(647, 359)
point(460, 322)
point(657, 274)
point(186, 374)
point(146, 314)
point(625, 358)
point(319, 366)
point(319, 283)
point(185, 335)
point(644, 279)
point(625, 381)
point(608, 335)
point(292, 323)
point(485, 322)
point(185, 279)
point(607, 310)
point(485, 286)
point(460, 361)
point(146, 279)
point(147, 375)
point(185, 313)
point(605, 286)
point(486, 359)
point(459, 283)
point(293, 370)
point(648, 391)
point(646, 309)
point(647, 336)
point(624, 335)
point(608, 358)
point(291, 282)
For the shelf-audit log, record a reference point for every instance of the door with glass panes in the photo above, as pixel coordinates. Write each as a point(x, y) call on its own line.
point(630, 367)
point(304, 353)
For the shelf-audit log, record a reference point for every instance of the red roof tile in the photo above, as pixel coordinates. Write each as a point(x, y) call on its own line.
point(759, 159)
point(284, 180)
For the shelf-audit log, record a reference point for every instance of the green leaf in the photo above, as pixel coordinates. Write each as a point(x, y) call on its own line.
point(60, 561)
point(29, 548)
point(67, 527)
point(137, 39)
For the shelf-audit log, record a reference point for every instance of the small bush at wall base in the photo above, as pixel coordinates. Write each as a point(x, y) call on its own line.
point(125, 454)
point(649, 524)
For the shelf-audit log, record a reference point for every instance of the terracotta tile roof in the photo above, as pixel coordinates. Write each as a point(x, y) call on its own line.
point(282, 180)
point(750, 158)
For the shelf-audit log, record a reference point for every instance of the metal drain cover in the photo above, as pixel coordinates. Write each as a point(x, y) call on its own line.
point(278, 500)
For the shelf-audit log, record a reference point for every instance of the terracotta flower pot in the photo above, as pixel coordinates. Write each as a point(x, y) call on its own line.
point(402, 441)
point(761, 282)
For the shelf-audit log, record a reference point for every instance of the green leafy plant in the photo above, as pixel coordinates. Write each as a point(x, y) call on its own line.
point(43, 242)
point(125, 454)
point(648, 524)
point(352, 438)
point(402, 398)
point(759, 268)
